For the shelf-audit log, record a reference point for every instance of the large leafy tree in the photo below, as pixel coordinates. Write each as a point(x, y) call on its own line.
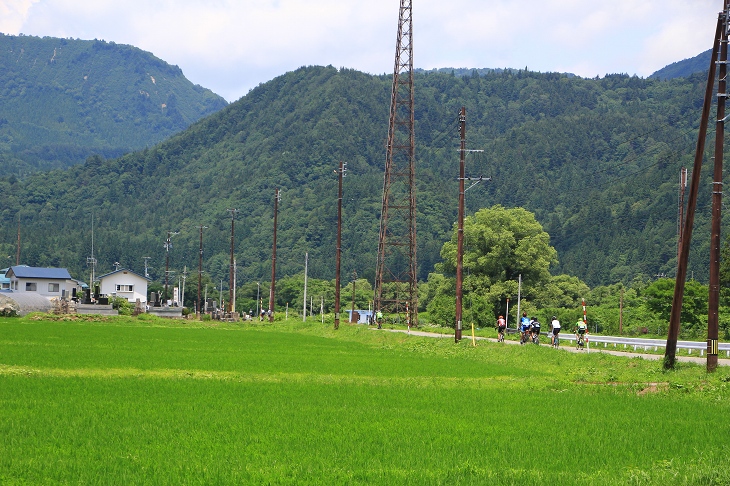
point(500, 244)
point(659, 296)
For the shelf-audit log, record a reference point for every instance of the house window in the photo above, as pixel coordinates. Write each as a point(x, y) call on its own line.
point(125, 288)
point(30, 287)
point(6, 286)
point(53, 287)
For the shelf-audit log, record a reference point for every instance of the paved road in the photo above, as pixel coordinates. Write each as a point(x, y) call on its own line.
point(656, 357)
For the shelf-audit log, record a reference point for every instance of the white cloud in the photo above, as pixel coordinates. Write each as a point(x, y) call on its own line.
point(13, 14)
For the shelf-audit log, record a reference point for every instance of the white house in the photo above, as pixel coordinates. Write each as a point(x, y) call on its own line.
point(48, 282)
point(124, 283)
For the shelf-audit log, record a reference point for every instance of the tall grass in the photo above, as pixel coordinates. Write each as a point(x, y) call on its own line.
point(129, 402)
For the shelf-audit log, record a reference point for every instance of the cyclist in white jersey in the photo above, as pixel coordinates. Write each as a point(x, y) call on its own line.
point(554, 329)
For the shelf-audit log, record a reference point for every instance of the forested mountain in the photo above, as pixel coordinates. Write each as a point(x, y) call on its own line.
point(681, 69)
point(596, 160)
point(62, 100)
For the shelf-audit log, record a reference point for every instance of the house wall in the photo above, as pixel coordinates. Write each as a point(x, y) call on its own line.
point(108, 286)
point(43, 286)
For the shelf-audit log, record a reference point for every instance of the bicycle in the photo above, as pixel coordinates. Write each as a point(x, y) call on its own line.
point(580, 341)
point(556, 341)
point(523, 337)
point(500, 335)
point(536, 337)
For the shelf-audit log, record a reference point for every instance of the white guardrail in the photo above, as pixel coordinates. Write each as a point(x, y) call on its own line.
point(641, 343)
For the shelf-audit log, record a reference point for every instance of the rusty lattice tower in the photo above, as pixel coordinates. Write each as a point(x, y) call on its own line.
point(396, 288)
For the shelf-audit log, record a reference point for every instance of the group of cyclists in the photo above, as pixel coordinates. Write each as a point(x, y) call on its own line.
point(530, 330)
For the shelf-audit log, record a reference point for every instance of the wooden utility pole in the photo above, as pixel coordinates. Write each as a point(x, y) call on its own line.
point(714, 295)
point(674, 319)
point(680, 218)
point(17, 250)
point(232, 264)
point(338, 250)
point(460, 230)
point(621, 314)
point(168, 245)
point(277, 197)
point(200, 269)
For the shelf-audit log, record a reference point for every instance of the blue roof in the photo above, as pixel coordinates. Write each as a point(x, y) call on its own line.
point(22, 271)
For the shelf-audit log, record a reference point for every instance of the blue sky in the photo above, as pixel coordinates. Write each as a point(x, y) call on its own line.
point(231, 46)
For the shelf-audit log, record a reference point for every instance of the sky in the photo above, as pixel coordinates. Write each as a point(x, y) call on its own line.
point(232, 46)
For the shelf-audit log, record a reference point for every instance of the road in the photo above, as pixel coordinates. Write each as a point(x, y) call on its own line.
point(571, 348)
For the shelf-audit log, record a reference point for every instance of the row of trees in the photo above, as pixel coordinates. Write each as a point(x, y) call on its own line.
point(502, 247)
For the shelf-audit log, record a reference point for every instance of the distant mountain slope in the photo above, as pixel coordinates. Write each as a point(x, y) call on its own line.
point(62, 100)
point(687, 67)
point(597, 161)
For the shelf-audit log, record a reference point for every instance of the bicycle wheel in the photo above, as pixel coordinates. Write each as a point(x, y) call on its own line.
point(557, 342)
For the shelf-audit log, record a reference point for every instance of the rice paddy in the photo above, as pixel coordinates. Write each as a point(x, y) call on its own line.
point(131, 401)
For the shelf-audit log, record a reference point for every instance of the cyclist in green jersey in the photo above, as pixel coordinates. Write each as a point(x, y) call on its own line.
point(580, 330)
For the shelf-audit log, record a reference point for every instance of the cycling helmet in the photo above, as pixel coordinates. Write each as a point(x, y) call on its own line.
point(501, 317)
point(554, 317)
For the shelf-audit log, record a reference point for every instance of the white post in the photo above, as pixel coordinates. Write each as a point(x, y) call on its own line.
point(306, 265)
point(519, 299)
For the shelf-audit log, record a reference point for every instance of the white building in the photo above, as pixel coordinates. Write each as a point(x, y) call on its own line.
point(124, 283)
point(48, 282)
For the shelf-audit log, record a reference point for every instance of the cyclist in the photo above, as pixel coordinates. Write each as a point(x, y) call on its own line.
point(501, 327)
point(580, 331)
point(535, 330)
point(524, 327)
point(554, 329)
point(379, 319)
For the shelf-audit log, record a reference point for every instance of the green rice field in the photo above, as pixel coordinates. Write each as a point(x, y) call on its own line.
point(149, 401)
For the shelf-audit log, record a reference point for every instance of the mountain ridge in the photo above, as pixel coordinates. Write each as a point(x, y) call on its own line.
point(63, 100)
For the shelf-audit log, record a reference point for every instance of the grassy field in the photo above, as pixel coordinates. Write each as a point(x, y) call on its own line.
point(147, 401)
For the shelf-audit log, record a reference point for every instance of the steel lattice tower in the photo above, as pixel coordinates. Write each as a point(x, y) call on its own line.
point(396, 287)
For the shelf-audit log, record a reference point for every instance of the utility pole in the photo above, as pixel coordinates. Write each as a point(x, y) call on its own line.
point(277, 198)
point(621, 314)
point(17, 249)
point(168, 245)
point(230, 270)
point(306, 264)
point(674, 318)
point(680, 218)
point(182, 294)
point(146, 268)
point(90, 260)
point(460, 231)
point(200, 268)
point(714, 287)
point(338, 251)
point(397, 263)
point(352, 311)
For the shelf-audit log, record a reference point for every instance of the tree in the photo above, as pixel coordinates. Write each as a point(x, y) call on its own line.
point(659, 296)
point(500, 245)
